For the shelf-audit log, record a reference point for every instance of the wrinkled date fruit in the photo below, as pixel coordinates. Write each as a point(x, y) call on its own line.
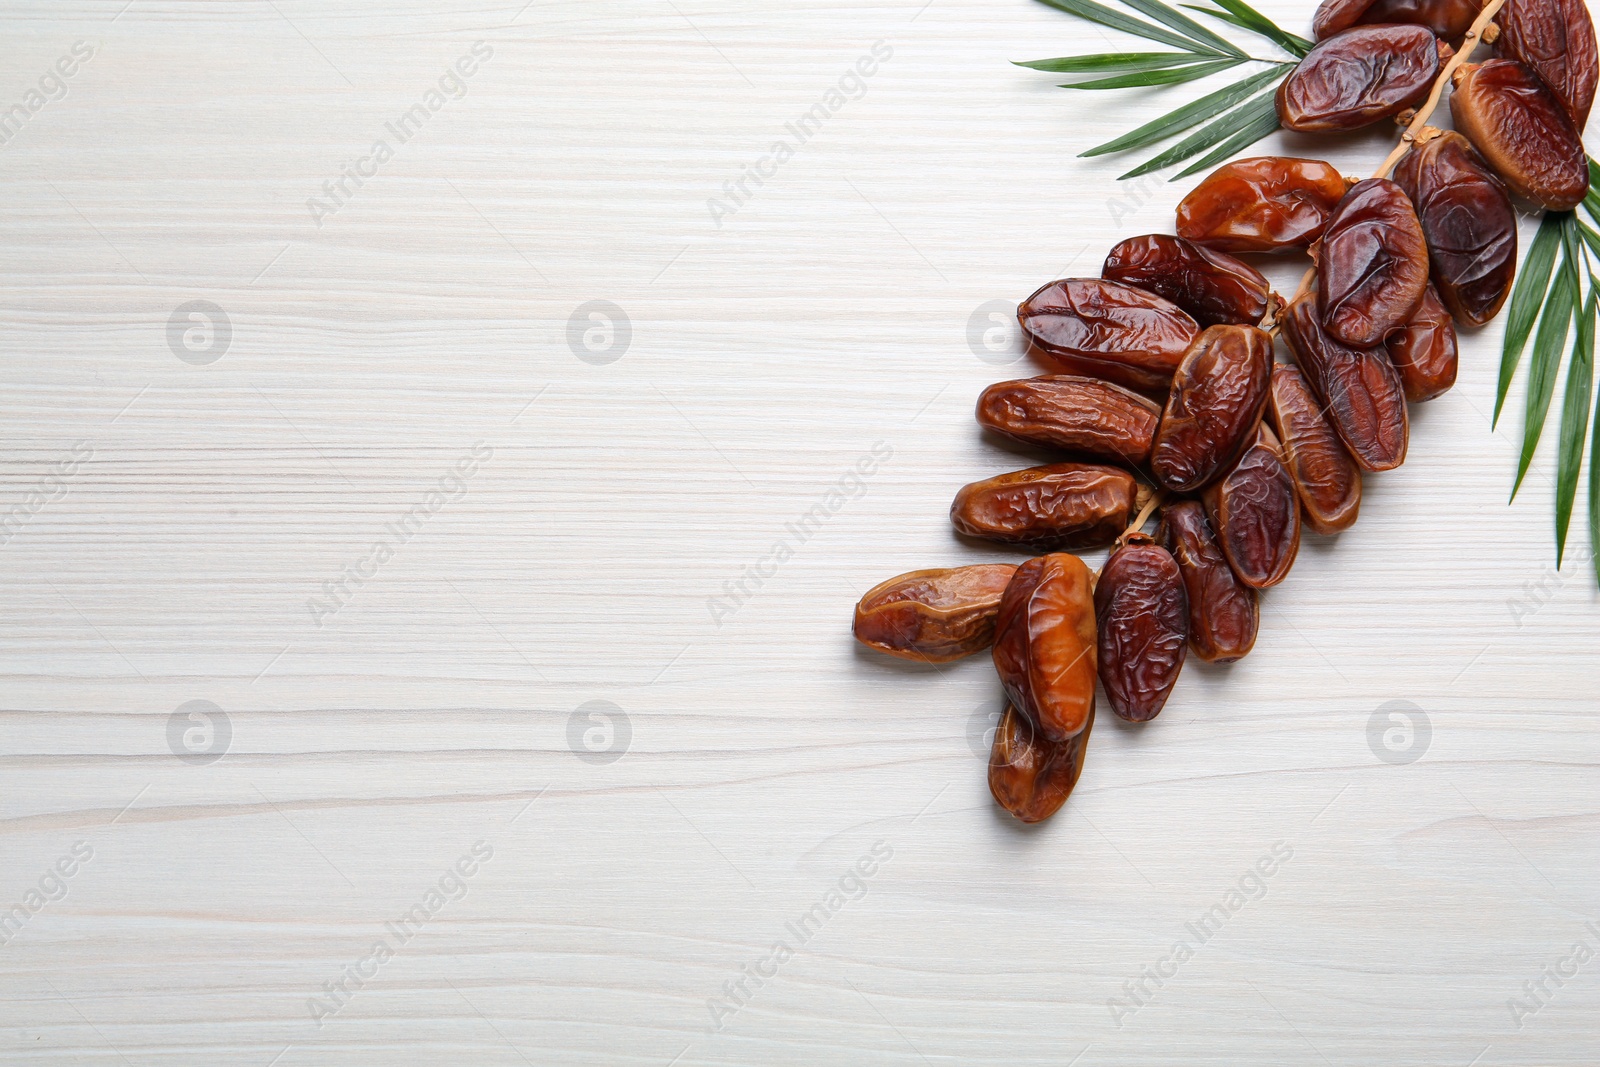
point(1360, 76)
point(1424, 352)
point(1223, 613)
point(934, 616)
point(1030, 776)
point(1359, 388)
point(1044, 644)
point(1555, 39)
point(1217, 398)
point(1264, 204)
point(1143, 614)
point(1108, 330)
point(1518, 124)
point(1256, 514)
point(1059, 505)
point(1081, 415)
point(1447, 18)
point(1325, 477)
point(1468, 222)
point(1212, 286)
point(1373, 264)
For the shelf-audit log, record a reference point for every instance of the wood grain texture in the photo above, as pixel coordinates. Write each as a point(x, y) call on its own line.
point(765, 754)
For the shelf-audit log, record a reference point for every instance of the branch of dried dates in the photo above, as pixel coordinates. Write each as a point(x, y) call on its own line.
point(1166, 397)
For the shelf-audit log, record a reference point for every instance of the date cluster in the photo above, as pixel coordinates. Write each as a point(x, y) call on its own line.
point(1165, 378)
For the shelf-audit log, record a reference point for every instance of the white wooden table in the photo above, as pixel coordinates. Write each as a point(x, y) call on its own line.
point(397, 525)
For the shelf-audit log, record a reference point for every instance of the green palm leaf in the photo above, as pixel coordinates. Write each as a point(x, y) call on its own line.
point(1574, 420)
point(1116, 20)
point(1547, 344)
point(1248, 18)
point(1525, 300)
point(1206, 136)
point(1190, 114)
point(1185, 25)
point(1111, 61)
point(1169, 76)
point(1263, 120)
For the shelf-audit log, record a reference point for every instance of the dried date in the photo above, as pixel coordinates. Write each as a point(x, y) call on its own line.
point(1447, 18)
point(1468, 222)
point(1108, 330)
point(1213, 287)
point(1326, 479)
point(1058, 505)
point(1143, 616)
point(1080, 415)
point(1256, 514)
point(1555, 39)
point(1424, 352)
point(1373, 264)
point(1029, 775)
point(1357, 77)
point(1522, 130)
point(1359, 388)
point(1217, 398)
point(1223, 612)
point(1044, 644)
point(1262, 204)
point(933, 616)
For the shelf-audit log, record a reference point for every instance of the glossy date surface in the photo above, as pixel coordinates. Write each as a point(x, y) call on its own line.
point(1224, 615)
point(1142, 611)
point(1424, 351)
point(1058, 505)
point(1359, 76)
point(1359, 389)
point(1261, 204)
point(1555, 39)
point(933, 616)
point(1081, 415)
point(1523, 132)
point(1256, 514)
point(1107, 330)
point(1373, 264)
point(1044, 644)
point(1326, 479)
point(1029, 775)
point(1213, 287)
point(1447, 18)
point(1217, 399)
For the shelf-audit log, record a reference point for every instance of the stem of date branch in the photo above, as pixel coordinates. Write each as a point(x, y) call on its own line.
point(1157, 498)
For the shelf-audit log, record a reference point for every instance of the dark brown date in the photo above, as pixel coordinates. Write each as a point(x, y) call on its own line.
point(1058, 505)
point(1469, 224)
point(1424, 352)
point(1263, 204)
point(933, 616)
point(1373, 264)
point(1143, 615)
point(1522, 130)
point(1326, 479)
point(1044, 644)
point(1555, 39)
point(1081, 415)
point(1031, 777)
point(1217, 398)
point(1256, 514)
point(1358, 387)
point(1447, 18)
point(1360, 76)
point(1108, 330)
point(1223, 613)
point(1212, 286)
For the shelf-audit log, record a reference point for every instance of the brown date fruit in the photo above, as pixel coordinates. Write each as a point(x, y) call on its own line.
point(1555, 39)
point(1359, 76)
point(1373, 264)
point(1256, 514)
point(1520, 127)
point(1469, 224)
point(1108, 330)
point(1447, 18)
point(1044, 644)
point(1359, 389)
point(1058, 505)
point(1223, 613)
point(1326, 479)
point(1424, 352)
point(1031, 777)
point(1262, 204)
point(933, 616)
point(1081, 415)
point(1143, 615)
point(1217, 398)
point(1212, 286)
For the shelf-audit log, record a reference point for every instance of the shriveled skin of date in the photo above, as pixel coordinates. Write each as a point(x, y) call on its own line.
point(1255, 512)
point(1073, 413)
point(1359, 76)
point(1359, 389)
point(1511, 117)
point(1044, 644)
point(1326, 479)
point(1142, 611)
point(1031, 777)
point(1468, 222)
point(1261, 204)
point(1555, 39)
point(1107, 330)
point(1223, 612)
point(1373, 264)
point(1447, 18)
point(1058, 505)
point(1424, 352)
point(1213, 287)
point(933, 616)
point(1217, 399)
